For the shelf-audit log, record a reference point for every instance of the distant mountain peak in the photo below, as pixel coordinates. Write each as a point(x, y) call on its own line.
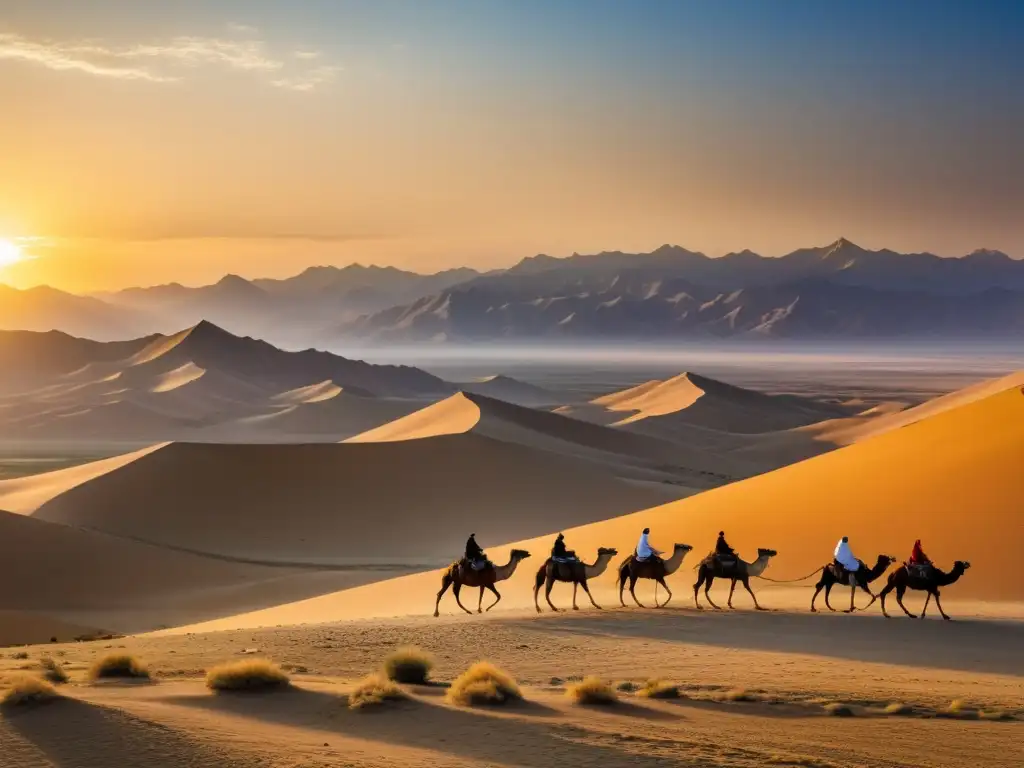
point(989, 255)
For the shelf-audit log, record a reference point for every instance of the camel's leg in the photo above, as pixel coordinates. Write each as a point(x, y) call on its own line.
point(828, 591)
point(874, 597)
point(497, 596)
point(456, 588)
point(746, 585)
point(707, 590)
point(700, 580)
point(632, 590)
point(883, 594)
point(586, 588)
point(622, 587)
point(900, 592)
point(927, 599)
point(480, 602)
point(661, 581)
point(817, 588)
point(547, 592)
point(853, 598)
point(939, 604)
point(446, 581)
point(732, 588)
point(575, 586)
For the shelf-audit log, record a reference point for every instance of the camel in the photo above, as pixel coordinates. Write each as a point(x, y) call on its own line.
point(653, 568)
point(864, 576)
point(711, 567)
point(901, 579)
point(578, 572)
point(460, 575)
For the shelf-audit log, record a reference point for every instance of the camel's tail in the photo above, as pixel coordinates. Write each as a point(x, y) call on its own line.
point(538, 582)
point(621, 573)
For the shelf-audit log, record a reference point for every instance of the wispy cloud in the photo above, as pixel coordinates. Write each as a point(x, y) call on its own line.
point(175, 59)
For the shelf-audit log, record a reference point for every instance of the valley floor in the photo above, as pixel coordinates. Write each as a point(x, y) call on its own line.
point(792, 664)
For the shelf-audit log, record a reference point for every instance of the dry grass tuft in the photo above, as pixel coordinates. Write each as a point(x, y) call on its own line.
point(658, 689)
point(121, 666)
point(20, 655)
point(374, 690)
point(247, 675)
point(897, 708)
point(483, 684)
point(592, 690)
point(627, 686)
point(836, 709)
point(409, 665)
point(53, 671)
point(28, 690)
point(959, 709)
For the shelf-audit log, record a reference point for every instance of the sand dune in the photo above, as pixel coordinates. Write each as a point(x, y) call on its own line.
point(364, 503)
point(952, 480)
point(513, 391)
point(314, 393)
point(628, 455)
point(25, 495)
point(669, 408)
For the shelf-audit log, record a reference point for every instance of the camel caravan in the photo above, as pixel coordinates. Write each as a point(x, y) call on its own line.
point(646, 562)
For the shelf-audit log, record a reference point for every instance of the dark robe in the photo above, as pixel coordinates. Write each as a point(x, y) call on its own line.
point(473, 550)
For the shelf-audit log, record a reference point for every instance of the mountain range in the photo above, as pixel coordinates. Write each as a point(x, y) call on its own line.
point(836, 291)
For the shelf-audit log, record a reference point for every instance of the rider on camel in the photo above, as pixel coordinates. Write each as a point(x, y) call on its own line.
point(722, 547)
point(473, 551)
point(644, 550)
point(918, 557)
point(844, 556)
point(559, 552)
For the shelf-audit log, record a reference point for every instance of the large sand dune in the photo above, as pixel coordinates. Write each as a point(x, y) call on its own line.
point(952, 480)
point(365, 503)
point(635, 456)
point(669, 408)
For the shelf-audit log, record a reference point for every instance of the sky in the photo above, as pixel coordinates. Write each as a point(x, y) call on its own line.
point(145, 142)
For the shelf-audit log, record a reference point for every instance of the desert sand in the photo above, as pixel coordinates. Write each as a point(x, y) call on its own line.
point(324, 557)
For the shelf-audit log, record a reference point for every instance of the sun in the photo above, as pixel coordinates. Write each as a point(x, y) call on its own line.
point(10, 253)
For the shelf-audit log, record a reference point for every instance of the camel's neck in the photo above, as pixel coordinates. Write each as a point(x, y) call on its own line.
point(757, 567)
point(673, 563)
point(599, 566)
point(878, 570)
point(502, 572)
point(945, 579)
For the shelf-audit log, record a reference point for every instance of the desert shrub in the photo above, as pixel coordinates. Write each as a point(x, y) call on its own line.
point(27, 690)
point(627, 686)
point(483, 684)
point(119, 666)
point(896, 708)
point(658, 689)
point(408, 665)
point(247, 675)
point(836, 709)
point(20, 655)
point(52, 670)
point(592, 690)
point(960, 710)
point(375, 690)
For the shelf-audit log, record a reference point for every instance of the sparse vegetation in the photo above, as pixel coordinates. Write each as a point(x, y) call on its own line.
point(627, 686)
point(836, 709)
point(374, 690)
point(20, 655)
point(959, 710)
point(592, 690)
point(408, 665)
point(896, 708)
point(53, 671)
point(483, 684)
point(248, 675)
point(659, 689)
point(28, 690)
point(121, 666)
point(996, 715)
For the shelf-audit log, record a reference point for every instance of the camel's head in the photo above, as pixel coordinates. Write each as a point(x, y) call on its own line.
point(766, 552)
point(610, 551)
point(519, 554)
point(887, 559)
point(964, 564)
point(682, 547)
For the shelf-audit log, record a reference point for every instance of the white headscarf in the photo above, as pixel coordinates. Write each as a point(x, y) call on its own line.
point(844, 556)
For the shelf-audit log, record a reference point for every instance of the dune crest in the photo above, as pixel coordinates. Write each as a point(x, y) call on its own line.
point(451, 416)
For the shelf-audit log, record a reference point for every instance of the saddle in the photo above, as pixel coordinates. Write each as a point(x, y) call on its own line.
point(477, 565)
point(564, 564)
point(919, 570)
point(844, 575)
point(725, 562)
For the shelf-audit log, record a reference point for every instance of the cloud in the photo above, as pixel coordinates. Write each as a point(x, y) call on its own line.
point(175, 59)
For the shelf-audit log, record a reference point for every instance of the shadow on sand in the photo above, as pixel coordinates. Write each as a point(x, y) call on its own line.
point(964, 645)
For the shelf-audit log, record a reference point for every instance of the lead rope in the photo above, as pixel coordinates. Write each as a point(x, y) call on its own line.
point(793, 581)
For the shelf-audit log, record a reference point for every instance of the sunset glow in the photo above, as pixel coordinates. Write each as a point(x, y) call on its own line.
point(10, 253)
